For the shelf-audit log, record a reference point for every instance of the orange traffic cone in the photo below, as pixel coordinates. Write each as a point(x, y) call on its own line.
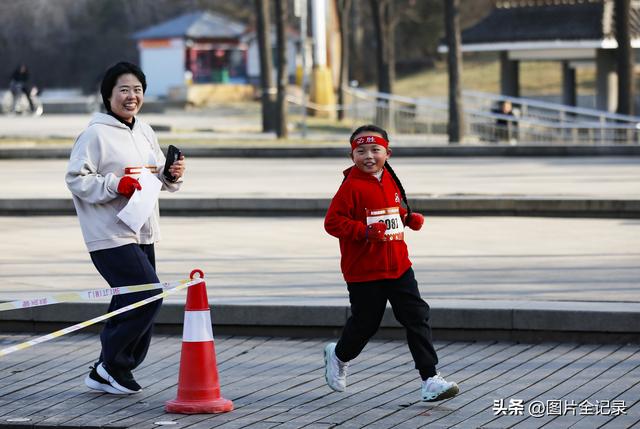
point(198, 385)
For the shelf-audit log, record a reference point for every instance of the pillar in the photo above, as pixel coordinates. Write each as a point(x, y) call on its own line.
point(606, 80)
point(509, 75)
point(569, 97)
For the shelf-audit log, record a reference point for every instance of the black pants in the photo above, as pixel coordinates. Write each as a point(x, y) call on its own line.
point(126, 336)
point(368, 302)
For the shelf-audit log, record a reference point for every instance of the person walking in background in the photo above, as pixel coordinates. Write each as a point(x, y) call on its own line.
point(104, 163)
point(19, 84)
point(367, 217)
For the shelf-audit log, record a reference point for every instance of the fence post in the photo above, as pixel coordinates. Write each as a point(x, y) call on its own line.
point(355, 118)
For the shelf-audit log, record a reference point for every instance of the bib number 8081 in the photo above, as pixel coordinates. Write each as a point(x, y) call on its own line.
point(390, 223)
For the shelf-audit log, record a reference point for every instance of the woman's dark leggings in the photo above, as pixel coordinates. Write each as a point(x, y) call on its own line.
point(368, 302)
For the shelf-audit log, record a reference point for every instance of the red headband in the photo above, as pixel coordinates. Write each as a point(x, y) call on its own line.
point(369, 140)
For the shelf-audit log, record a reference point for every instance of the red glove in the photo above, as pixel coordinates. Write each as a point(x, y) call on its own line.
point(375, 231)
point(128, 186)
point(414, 221)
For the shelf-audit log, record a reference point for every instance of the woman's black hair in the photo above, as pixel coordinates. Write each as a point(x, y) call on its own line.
point(111, 77)
point(383, 133)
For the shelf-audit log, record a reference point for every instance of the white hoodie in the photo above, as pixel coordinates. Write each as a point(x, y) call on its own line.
point(97, 163)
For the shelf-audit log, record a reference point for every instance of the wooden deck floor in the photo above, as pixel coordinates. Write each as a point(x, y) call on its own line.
point(278, 382)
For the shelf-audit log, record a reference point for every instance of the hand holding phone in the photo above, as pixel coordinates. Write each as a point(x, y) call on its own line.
point(173, 154)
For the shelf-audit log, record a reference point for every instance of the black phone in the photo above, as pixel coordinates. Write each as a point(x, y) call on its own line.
point(173, 154)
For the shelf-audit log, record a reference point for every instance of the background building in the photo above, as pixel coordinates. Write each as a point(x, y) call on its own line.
point(203, 56)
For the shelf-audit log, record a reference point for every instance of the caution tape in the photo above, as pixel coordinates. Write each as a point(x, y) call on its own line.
point(61, 332)
point(86, 295)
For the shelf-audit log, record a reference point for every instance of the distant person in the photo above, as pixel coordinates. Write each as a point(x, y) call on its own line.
point(505, 129)
point(102, 175)
point(367, 216)
point(20, 84)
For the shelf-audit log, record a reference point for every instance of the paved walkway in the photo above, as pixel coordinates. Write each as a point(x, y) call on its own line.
point(569, 178)
point(240, 118)
point(277, 261)
point(279, 383)
point(291, 259)
point(472, 262)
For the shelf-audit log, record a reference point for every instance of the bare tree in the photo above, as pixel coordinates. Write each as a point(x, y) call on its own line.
point(624, 58)
point(384, 25)
point(283, 72)
point(267, 90)
point(70, 43)
point(343, 7)
point(454, 63)
point(356, 42)
point(386, 15)
point(83, 37)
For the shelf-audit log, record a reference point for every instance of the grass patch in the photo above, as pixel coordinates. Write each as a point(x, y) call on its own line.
point(536, 78)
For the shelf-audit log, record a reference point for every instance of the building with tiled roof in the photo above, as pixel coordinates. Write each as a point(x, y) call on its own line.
point(573, 32)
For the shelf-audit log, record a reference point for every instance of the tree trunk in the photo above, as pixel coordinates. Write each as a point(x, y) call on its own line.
point(283, 75)
point(624, 58)
point(384, 44)
point(384, 57)
point(455, 127)
point(343, 8)
point(356, 42)
point(266, 65)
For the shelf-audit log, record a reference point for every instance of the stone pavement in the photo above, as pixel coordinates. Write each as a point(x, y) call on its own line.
point(512, 277)
point(423, 177)
point(241, 123)
point(240, 118)
point(560, 186)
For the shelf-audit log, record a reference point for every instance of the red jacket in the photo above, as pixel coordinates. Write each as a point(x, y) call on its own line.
point(364, 260)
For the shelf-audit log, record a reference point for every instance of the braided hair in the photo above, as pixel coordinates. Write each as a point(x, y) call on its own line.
point(383, 133)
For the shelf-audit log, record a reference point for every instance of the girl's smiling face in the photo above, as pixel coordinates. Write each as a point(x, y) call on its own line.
point(127, 97)
point(369, 158)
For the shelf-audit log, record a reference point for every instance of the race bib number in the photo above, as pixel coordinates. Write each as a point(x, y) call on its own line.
point(391, 217)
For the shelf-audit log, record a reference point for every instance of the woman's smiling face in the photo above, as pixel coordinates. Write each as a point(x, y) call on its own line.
point(127, 97)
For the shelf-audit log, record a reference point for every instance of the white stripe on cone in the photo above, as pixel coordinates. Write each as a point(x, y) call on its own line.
point(197, 326)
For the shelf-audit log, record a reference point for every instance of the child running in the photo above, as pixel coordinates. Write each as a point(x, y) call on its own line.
point(367, 217)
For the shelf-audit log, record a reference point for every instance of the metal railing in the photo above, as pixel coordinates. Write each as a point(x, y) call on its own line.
point(529, 108)
point(532, 122)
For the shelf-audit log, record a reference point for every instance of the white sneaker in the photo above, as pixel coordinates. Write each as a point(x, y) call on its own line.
point(437, 388)
point(335, 371)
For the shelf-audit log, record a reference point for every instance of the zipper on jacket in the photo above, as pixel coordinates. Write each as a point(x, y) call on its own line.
point(387, 243)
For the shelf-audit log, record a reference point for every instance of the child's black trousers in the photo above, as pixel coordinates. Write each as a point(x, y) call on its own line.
point(368, 302)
